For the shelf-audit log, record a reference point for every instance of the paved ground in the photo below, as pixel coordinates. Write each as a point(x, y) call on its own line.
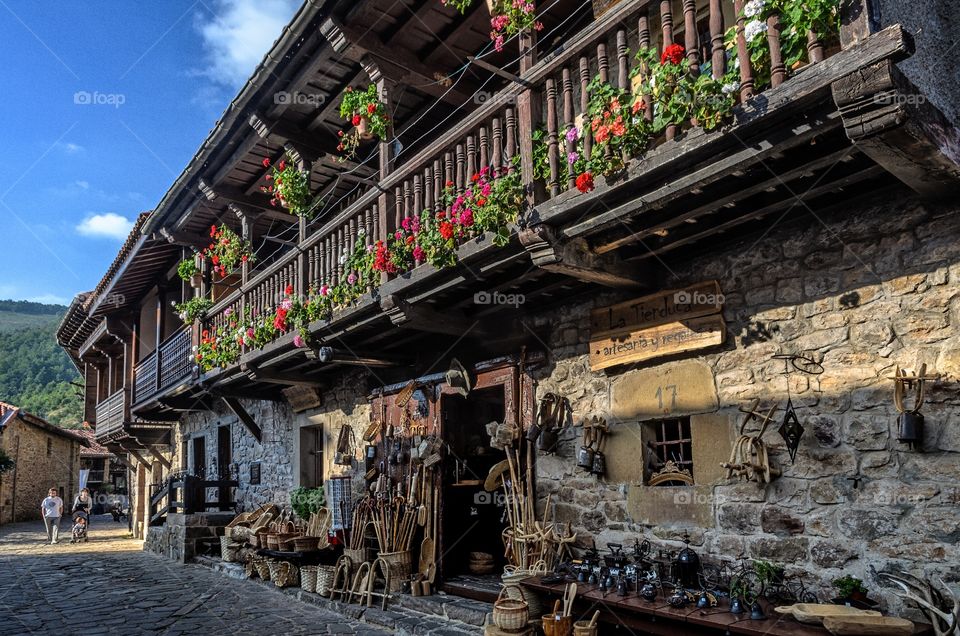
point(110, 586)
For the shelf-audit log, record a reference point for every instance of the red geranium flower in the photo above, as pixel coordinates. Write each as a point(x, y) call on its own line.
point(446, 230)
point(356, 120)
point(585, 182)
point(371, 108)
point(289, 290)
point(213, 230)
point(283, 166)
point(673, 54)
point(266, 162)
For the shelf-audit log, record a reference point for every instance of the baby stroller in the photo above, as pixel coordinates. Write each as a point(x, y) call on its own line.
point(80, 521)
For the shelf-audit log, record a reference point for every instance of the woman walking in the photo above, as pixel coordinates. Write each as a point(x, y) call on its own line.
point(52, 510)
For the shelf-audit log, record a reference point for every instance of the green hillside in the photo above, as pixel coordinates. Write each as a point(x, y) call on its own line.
point(35, 374)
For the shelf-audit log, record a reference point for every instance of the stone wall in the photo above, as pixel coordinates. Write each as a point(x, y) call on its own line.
point(36, 470)
point(861, 292)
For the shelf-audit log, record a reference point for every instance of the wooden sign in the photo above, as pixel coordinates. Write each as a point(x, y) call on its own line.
point(302, 398)
point(675, 305)
point(656, 342)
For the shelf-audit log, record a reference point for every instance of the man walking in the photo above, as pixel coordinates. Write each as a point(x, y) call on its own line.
point(52, 510)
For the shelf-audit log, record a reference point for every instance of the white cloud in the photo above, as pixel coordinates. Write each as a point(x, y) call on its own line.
point(240, 34)
point(71, 148)
point(83, 185)
point(108, 225)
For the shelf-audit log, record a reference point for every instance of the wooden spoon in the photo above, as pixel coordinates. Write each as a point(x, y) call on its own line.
point(593, 621)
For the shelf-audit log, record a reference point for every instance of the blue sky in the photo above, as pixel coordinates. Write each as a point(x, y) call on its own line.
point(103, 105)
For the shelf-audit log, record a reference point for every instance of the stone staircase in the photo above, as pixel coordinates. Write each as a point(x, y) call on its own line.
point(436, 615)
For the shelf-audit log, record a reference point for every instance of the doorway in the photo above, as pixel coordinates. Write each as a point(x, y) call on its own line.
point(200, 456)
point(473, 519)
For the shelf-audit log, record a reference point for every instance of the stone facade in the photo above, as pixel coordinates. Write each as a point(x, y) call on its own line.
point(182, 537)
point(860, 292)
point(46, 457)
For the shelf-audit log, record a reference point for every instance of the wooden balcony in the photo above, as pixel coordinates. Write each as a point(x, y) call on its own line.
point(164, 368)
point(688, 187)
point(111, 414)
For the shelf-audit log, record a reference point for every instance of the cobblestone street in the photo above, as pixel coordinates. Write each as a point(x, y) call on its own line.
point(110, 586)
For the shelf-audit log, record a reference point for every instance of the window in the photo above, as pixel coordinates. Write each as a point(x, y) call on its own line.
point(311, 456)
point(670, 460)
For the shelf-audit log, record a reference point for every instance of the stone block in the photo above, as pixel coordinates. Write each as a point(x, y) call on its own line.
point(624, 453)
point(868, 524)
point(711, 444)
point(668, 390)
point(780, 550)
point(780, 522)
point(831, 554)
point(742, 518)
point(671, 505)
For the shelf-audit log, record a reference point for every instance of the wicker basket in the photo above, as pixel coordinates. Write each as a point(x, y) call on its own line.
point(282, 573)
point(306, 544)
point(325, 578)
point(285, 541)
point(250, 569)
point(228, 549)
point(263, 568)
point(308, 578)
point(511, 578)
point(510, 614)
point(401, 566)
point(356, 556)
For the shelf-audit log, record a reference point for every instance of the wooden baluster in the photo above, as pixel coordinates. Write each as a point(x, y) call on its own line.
point(743, 55)
point(368, 217)
point(417, 195)
point(461, 177)
point(484, 148)
point(585, 132)
point(321, 263)
point(437, 185)
point(312, 271)
point(448, 173)
point(497, 157)
point(778, 70)
point(471, 157)
point(666, 21)
point(407, 202)
point(568, 124)
point(815, 51)
point(718, 59)
point(643, 37)
point(691, 38)
point(397, 206)
point(331, 279)
point(552, 150)
point(623, 60)
point(340, 254)
point(428, 186)
point(511, 147)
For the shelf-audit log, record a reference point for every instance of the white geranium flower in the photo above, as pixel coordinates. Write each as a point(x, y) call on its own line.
point(653, 81)
point(730, 88)
point(753, 8)
point(361, 231)
point(343, 259)
point(754, 29)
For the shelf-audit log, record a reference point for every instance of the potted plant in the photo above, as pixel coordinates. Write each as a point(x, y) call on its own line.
point(509, 18)
point(768, 572)
point(189, 272)
point(192, 309)
point(289, 187)
point(368, 116)
point(227, 250)
point(306, 501)
point(851, 591)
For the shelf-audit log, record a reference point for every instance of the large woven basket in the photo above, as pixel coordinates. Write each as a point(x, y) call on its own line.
point(263, 569)
point(401, 566)
point(306, 544)
point(511, 578)
point(283, 574)
point(510, 614)
point(357, 556)
point(325, 578)
point(308, 578)
point(285, 540)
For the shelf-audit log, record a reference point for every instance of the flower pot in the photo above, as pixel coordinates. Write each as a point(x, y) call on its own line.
point(491, 6)
point(196, 280)
point(363, 128)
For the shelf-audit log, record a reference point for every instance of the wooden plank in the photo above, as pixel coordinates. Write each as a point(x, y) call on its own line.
point(657, 342)
point(303, 398)
point(660, 308)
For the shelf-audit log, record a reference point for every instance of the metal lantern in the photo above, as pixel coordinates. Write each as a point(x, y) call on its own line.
point(791, 430)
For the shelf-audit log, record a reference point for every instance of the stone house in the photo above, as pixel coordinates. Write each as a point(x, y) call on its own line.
point(788, 264)
point(46, 456)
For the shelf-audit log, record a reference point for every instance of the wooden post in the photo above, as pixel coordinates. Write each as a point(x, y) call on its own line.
point(858, 19)
point(718, 54)
point(161, 326)
point(528, 110)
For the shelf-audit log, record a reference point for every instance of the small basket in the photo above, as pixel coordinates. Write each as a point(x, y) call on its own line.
point(263, 568)
point(228, 549)
point(271, 541)
point(308, 578)
point(356, 556)
point(554, 627)
point(583, 628)
point(401, 566)
point(285, 541)
point(510, 614)
point(325, 575)
point(282, 573)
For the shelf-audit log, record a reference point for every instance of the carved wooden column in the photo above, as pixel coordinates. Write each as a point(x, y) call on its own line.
point(161, 326)
point(528, 110)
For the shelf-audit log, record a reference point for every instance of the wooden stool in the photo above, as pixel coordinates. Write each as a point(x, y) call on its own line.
point(341, 578)
point(369, 592)
point(360, 582)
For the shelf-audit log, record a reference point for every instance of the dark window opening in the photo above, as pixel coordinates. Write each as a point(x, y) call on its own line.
point(670, 449)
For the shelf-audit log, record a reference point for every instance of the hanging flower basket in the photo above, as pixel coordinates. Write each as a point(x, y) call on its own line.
point(363, 110)
point(196, 280)
point(363, 128)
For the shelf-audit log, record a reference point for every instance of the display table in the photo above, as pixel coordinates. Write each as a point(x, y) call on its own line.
point(658, 617)
point(316, 557)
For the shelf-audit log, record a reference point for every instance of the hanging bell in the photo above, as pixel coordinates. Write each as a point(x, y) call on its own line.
point(585, 458)
point(599, 466)
point(910, 428)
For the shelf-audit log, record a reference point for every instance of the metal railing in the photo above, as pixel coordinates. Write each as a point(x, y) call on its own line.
point(110, 415)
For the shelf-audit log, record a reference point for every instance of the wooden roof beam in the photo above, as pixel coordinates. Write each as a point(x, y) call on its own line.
point(421, 318)
point(234, 405)
point(393, 63)
point(574, 258)
point(260, 205)
point(271, 376)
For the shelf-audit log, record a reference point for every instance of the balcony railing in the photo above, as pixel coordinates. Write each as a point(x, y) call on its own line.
point(110, 415)
point(164, 367)
point(552, 96)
